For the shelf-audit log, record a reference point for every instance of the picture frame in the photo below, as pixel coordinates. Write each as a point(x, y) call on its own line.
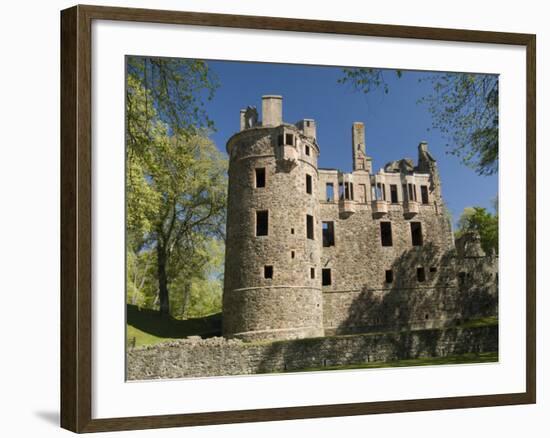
point(77, 218)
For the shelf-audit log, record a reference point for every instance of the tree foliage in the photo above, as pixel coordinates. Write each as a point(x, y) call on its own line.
point(483, 222)
point(175, 181)
point(464, 107)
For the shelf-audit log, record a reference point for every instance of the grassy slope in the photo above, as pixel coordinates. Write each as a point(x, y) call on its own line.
point(146, 327)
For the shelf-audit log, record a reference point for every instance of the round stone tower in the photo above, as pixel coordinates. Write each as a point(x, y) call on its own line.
point(272, 284)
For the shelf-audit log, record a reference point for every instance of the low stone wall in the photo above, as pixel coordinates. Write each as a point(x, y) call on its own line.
point(220, 356)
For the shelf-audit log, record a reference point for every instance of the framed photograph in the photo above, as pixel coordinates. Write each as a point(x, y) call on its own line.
point(269, 218)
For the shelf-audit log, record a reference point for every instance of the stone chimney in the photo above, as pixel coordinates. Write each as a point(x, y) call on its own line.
point(272, 110)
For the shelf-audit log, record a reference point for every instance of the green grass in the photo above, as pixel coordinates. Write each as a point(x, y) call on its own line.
point(481, 322)
point(146, 327)
point(449, 360)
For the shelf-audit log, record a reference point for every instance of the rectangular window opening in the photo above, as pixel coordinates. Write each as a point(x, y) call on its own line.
point(268, 271)
point(416, 233)
point(309, 226)
point(307, 149)
point(389, 276)
point(312, 273)
point(420, 274)
point(309, 184)
point(326, 277)
point(289, 139)
point(433, 269)
point(385, 233)
point(328, 234)
point(393, 193)
point(292, 254)
point(330, 192)
point(260, 177)
point(262, 222)
point(424, 194)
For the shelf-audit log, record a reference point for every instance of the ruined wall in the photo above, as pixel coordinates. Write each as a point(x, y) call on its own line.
point(218, 356)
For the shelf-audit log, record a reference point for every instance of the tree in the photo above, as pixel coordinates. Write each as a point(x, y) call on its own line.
point(176, 177)
point(480, 220)
point(464, 107)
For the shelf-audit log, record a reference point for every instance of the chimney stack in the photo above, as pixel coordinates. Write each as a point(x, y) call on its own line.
point(272, 110)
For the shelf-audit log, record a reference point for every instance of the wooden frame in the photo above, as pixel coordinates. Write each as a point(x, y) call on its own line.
point(76, 174)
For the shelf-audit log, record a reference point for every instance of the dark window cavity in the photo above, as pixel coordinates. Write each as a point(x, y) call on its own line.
point(268, 271)
point(416, 233)
point(262, 222)
point(260, 177)
point(328, 233)
point(385, 233)
point(433, 269)
point(292, 254)
point(330, 192)
point(326, 277)
point(309, 226)
point(420, 274)
point(389, 276)
point(289, 139)
point(393, 193)
point(307, 149)
point(312, 273)
point(424, 194)
point(309, 184)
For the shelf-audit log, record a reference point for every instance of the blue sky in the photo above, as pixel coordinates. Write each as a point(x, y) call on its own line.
point(394, 123)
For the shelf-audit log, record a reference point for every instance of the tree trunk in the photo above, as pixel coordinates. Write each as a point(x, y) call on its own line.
point(163, 282)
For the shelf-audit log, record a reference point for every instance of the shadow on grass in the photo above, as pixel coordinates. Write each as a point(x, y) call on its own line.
point(150, 322)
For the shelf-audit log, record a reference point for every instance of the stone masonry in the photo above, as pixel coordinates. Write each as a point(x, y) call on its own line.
point(313, 252)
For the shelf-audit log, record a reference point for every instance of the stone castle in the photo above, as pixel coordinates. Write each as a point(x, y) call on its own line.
point(313, 252)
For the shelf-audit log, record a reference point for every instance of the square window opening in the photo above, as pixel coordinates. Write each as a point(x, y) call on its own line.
point(268, 271)
point(385, 234)
point(260, 177)
point(326, 275)
point(262, 222)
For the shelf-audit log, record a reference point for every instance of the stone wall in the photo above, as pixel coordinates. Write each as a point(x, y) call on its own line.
point(219, 356)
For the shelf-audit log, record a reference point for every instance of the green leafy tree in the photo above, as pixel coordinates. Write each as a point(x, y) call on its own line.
point(176, 177)
point(464, 107)
point(483, 222)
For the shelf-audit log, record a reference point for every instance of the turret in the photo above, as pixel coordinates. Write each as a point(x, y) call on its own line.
point(272, 282)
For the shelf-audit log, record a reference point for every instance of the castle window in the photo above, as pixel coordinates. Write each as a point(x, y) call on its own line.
point(308, 123)
point(309, 184)
point(393, 193)
point(268, 271)
point(328, 233)
point(346, 190)
point(416, 233)
point(309, 226)
point(412, 192)
point(262, 222)
point(292, 254)
point(389, 276)
point(326, 277)
point(420, 274)
point(312, 273)
point(433, 269)
point(292, 231)
point(330, 192)
point(307, 149)
point(289, 139)
point(424, 194)
point(260, 177)
point(280, 140)
point(385, 233)
point(462, 278)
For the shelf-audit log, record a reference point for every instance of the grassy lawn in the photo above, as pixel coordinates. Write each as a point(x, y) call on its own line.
point(449, 360)
point(146, 327)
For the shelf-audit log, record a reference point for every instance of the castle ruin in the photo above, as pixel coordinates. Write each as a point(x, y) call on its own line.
point(313, 252)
